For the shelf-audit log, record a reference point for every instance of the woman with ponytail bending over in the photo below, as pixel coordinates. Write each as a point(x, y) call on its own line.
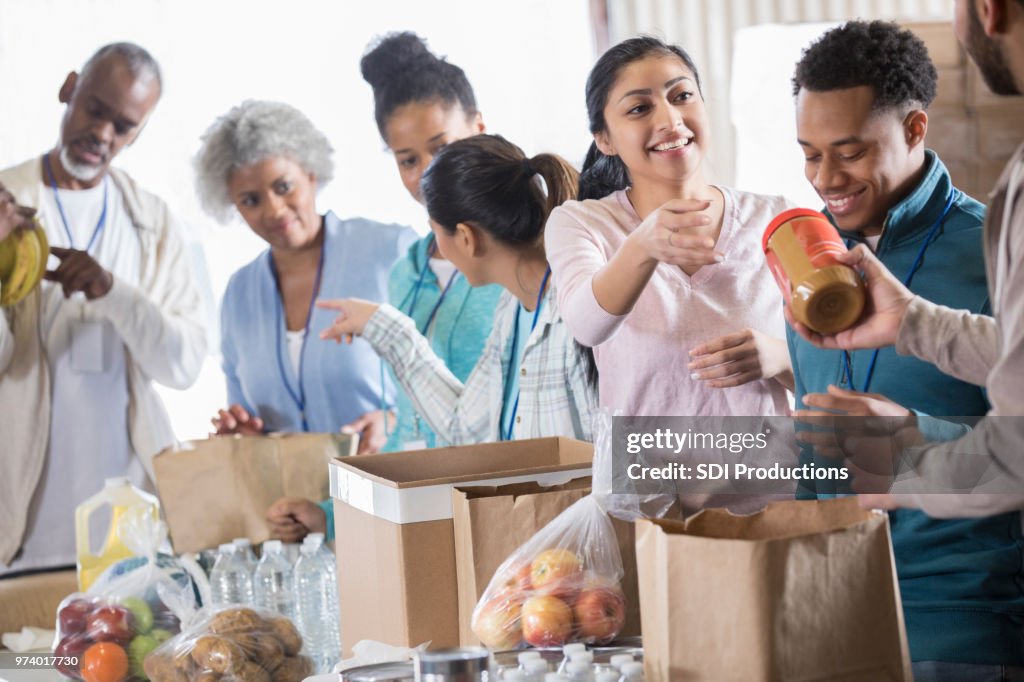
point(488, 205)
point(659, 271)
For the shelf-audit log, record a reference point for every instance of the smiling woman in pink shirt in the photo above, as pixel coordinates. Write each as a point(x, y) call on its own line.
point(659, 271)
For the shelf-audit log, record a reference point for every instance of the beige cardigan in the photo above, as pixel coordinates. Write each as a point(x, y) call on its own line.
point(160, 322)
point(986, 351)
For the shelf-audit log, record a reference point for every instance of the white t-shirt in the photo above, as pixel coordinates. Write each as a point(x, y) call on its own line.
point(295, 348)
point(443, 270)
point(872, 242)
point(88, 367)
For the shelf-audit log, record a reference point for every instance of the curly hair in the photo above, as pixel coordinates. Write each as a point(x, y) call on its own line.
point(401, 69)
point(252, 132)
point(892, 60)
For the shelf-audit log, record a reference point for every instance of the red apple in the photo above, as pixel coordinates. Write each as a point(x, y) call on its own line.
point(557, 572)
point(547, 621)
point(71, 647)
point(71, 618)
point(515, 581)
point(497, 623)
point(600, 613)
point(110, 624)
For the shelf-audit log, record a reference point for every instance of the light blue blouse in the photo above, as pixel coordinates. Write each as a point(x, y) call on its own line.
point(339, 382)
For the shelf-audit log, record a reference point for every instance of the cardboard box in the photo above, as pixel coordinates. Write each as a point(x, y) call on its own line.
point(217, 489)
point(394, 534)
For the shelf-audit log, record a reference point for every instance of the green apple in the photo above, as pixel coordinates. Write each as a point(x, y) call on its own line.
point(161, 635)
point(138, 649)
point(142, 613)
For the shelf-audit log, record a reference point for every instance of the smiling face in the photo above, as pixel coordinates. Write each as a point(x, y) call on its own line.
point(416, 131)
point(277, 198)
point(656, 121)
point(106, 109)
point(862, 162)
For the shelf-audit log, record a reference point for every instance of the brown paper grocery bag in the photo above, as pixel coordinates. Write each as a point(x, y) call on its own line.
point(217, 489)
point(801, 591)
point(492, 522)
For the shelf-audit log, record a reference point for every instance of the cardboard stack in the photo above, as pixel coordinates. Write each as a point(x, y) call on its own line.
point(973, 131)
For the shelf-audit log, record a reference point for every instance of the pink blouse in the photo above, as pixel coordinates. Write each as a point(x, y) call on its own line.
point(642, 356)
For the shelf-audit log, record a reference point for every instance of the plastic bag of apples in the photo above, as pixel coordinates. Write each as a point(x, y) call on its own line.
point(104, 634)
point(561, 586)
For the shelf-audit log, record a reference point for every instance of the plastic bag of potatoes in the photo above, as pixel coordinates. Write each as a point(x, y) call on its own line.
point(234, 644)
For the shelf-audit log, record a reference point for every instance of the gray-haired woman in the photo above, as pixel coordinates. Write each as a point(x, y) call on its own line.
point(266, 160)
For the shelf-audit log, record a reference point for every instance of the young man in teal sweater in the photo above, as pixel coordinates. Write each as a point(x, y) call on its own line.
point(861, 93)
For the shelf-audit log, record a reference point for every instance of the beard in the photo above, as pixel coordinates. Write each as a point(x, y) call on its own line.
point(79, 171)
point(989, 57)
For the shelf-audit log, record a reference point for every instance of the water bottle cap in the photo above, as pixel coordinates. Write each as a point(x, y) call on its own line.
point(618, 660)
point(536, 665)
point(633, 668)
point(525, 656)
point(568, 649)
point(273, 547)
point(313, 539)
point(242, 542)
point(577, 667)
point(115, 482)
point(308, 549)
point(227, 548)
point(584, 656)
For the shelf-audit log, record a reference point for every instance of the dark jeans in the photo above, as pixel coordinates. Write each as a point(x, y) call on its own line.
point(937, 671)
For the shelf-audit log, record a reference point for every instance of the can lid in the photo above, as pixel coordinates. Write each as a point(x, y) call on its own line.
point(379, 672)
point(453, 661)
point(784, 217)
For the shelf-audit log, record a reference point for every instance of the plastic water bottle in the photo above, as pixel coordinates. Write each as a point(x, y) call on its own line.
point(317, 598)
point(272, 581)
point(632, 672)
point(515, 675)
point(244, 546)
point(618, 660)
point(536, 669)
point(525, 656)
point(580, 671)
point(607, 676)
point(567, 651)
point(317, 539)
point(230, 579)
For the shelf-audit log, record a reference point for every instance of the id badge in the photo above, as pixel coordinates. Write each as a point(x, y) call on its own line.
point(90, 346)
point(414, 445)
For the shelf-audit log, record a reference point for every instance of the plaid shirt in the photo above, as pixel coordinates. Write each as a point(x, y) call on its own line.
point(555, 399)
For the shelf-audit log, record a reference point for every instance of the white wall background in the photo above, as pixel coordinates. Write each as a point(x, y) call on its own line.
point(527, 59)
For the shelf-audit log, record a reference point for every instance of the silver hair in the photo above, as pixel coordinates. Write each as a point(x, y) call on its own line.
point(251, 132)
point(138, 60)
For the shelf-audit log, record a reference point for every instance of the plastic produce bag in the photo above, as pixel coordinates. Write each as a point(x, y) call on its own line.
point(561, 586)
point(104, 634)
point(232, 644)
point(614, 490)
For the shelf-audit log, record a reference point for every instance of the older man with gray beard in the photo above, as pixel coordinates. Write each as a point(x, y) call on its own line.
point(118, 311)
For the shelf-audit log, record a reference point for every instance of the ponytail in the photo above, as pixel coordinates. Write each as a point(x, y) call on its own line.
point(601, 175)
point(487, 181)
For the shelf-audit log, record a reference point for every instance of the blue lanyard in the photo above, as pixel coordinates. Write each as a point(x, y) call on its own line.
point(63, 216)
point(847, 362)
point(298, 397)
point(507, 435)
point(418, 287)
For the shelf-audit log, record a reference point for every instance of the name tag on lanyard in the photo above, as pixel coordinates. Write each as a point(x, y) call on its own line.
point(91, 344)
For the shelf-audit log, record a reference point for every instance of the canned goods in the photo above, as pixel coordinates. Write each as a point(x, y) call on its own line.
point(801, 246)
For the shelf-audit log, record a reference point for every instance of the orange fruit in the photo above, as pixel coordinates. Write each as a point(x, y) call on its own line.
point(104, 662)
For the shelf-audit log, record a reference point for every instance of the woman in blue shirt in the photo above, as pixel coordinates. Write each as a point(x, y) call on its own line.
point(266, 161)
